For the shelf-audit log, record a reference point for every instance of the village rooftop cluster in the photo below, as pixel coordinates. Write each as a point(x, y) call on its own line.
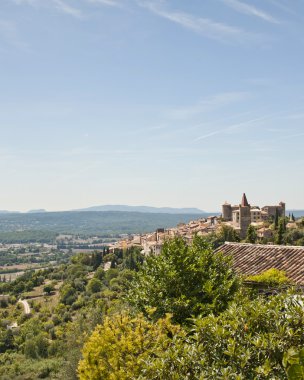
point(239, 217)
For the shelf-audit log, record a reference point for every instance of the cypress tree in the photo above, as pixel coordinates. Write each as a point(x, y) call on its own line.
point(276, 219)
point(280, 234)
point(251, 235)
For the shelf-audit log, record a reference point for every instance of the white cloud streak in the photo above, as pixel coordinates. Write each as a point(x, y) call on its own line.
point(204, 26)
point(232, 127)
point(60, 5)
point(27, 2)
point(109, 3)
point(63, 7)
point(283, 7)
point(250, 10)
point(208, 104)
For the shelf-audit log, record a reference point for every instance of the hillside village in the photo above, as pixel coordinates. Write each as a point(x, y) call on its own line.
point(49, 316)
point(237, 217)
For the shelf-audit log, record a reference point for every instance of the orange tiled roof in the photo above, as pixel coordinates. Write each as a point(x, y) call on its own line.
point(251, 259)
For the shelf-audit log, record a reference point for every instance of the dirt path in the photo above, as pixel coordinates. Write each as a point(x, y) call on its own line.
point(27, 309)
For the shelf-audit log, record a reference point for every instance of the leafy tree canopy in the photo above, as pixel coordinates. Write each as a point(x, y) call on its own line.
point(184, 280)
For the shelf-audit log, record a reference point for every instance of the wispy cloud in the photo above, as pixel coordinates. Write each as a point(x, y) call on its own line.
point(204, 26)
point(290, 136)
point(28, 2)
point(251, 10)
point(63, 7)
point(232, 127)
point(60, 5)
point(283, 7)
point(110, 3)
point(207, 104)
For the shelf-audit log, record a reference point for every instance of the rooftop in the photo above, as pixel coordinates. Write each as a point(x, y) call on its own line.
point(252, 259)
point(244, 202)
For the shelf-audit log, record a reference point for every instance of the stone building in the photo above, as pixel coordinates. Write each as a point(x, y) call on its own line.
point(243, 215)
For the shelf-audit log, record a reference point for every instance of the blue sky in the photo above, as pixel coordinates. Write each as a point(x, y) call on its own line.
point(164, 103)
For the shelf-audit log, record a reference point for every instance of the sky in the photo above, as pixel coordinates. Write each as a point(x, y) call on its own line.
point(151, 102)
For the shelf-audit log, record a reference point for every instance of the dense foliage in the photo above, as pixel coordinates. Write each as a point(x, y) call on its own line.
point(114, 324)
point(232, 335)
point(72, 299)
point(247, 341)
point(184, 280)
point(119, 347)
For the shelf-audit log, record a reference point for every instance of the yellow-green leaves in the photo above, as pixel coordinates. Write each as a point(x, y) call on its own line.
point(118, 349)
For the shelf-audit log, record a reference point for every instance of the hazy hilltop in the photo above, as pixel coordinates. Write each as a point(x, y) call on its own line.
point(8, 212)
point(37, 211)
point(145, 209)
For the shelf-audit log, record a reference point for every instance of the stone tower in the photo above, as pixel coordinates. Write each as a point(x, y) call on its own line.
point(282, 209)
point(245, 216)
point(227, 211)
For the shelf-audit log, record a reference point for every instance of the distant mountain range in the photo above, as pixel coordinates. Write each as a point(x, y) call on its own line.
point(9, 212)
point(145, 209)
point(142, 209)
point(37, 211)
point(124, 208)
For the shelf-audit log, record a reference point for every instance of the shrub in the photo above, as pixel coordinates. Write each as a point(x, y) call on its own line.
point(271, 277)
point(119, 347)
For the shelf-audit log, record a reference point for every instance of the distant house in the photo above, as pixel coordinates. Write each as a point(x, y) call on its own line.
point(252, 259)
point(264, 233)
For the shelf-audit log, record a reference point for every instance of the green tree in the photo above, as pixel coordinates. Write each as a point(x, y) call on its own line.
point(36, 346)
point(99, 274)
point(247, 341)
point(251, 235)
point(184, 281)
point(68, 294)
point(228, 233)
point(293, 361)
point(48, 289)
point(276, 219)
point(279, 238)
point(94, 285)
point(6, 340)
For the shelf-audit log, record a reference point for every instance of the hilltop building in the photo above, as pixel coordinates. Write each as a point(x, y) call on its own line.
point(244, 214)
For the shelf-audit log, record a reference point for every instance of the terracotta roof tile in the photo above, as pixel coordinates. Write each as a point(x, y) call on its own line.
point(251, 259)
